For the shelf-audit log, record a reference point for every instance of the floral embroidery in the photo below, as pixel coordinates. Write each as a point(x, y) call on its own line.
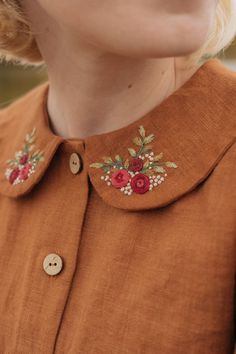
point(25, 163)
point(139, 173)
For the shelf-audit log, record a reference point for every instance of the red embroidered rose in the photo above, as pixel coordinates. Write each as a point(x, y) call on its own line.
point(24, 172)
point(136, 173)
point(136, 165)
point(24, 159)
point(24, 162)
point(120, 178)
point(14, 174)
point(140, 183)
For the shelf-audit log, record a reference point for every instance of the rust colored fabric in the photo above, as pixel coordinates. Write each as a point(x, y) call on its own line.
point(151, 272)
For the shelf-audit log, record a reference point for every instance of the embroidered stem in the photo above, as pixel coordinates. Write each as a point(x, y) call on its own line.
point(134, 174)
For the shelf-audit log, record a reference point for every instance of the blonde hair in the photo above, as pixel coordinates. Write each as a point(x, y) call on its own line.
point(17, 39)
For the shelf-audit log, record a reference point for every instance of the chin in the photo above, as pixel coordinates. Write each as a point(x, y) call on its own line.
point(159, 49)
point(178, 39)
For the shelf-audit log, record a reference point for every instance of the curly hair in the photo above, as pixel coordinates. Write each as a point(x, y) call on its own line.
point(17, 40)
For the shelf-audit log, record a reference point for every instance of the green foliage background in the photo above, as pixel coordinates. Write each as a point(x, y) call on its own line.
point(15, 80)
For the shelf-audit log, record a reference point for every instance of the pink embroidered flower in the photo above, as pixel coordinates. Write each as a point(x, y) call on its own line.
point(120, 178)
point(14, 174)
point(24, 159)
point(136, 165)
point(24, 164)
point(140, 183)
point(24, 172)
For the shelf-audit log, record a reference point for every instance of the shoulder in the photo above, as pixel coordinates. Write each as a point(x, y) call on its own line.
point(208, 100)
point(220, 93)
point(220, 82)
point(222, 75)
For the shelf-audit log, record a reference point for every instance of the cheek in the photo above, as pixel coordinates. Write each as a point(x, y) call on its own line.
point(64, 11)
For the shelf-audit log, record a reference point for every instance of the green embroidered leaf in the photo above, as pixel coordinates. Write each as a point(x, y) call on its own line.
point(159, 169)
point(171, 164)
point(148, 139)
point(158, 157)
point(37, 157)
point(126, 163)
point(97, 165)
point(137, 141)
point(40, 153)
point(12, 162)
point(107, 159)
point(31, 140)
point(25, 148)
point(36, 153)
point(118, 158)
point(33, 132)
point(147, 148)
point(132, 152)
point(142, 131)
point(31, 147)
point(146, 164)
point(27, 137)
point(106, 168)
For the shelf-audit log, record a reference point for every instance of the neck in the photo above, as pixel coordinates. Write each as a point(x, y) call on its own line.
point(91, 94)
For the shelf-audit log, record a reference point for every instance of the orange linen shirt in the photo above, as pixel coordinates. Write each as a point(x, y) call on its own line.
point(122, 242)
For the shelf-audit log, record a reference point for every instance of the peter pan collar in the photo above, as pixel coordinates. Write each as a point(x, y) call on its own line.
point(185, 136)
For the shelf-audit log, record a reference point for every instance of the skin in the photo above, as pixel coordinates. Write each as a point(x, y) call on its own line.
point(112, 61)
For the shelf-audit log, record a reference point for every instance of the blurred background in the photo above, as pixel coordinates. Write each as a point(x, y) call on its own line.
point(16, 80)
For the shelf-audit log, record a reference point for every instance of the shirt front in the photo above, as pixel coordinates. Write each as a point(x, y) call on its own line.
point(122, 242)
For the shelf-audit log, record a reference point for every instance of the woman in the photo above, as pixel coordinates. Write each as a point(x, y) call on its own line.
point(117, 187)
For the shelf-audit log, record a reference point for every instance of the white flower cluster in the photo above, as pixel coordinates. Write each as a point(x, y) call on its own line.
point(127, 190)
point(18, 154)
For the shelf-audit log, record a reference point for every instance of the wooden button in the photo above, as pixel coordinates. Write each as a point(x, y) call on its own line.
point(52, 264)
point(75, 163)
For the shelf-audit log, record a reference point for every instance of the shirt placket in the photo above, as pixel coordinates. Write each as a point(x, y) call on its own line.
point(61, 199)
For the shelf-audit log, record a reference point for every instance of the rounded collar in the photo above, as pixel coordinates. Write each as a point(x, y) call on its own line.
point(188, 134)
